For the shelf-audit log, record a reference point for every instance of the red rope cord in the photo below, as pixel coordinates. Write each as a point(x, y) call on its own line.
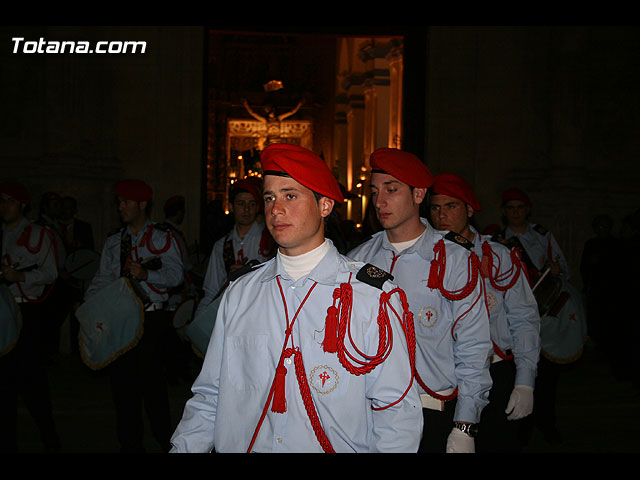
point(285, 354)
point(23, 241)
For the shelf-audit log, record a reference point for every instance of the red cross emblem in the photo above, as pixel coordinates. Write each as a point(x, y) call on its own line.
point(323, 379)
point(99, 325)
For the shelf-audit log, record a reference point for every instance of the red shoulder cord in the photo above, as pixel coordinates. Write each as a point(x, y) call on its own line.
point(436, 278)
point(147, 239)
point(265, 247)
point(496, 277)
point(436, 281)
point(23, 241)
point(278, 386)
point(338, 327)
point(487, 271)
point(337, 324)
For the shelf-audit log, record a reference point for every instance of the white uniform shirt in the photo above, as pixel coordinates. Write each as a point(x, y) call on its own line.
point(216, 275)
point(169, 275)
point(40, 253)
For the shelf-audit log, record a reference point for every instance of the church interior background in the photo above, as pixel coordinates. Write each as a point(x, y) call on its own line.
point(552, 110)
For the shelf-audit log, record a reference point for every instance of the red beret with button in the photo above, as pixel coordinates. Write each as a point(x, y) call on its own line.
point(405, 166)
point(453, 185)
point(515, 194)
point(16, 190)
point(135, 190)
point(302, 165)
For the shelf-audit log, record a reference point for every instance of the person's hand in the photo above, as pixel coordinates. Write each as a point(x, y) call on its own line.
point(137, 271)
point(460, 442)
point(11, 275)
point(520, 402)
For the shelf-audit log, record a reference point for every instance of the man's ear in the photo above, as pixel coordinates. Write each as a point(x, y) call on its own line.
point(419, 195)
point(470, 211)
point(326, 206)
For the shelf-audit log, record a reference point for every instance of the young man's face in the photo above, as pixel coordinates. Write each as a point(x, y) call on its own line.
point(10, 209)
point(516, 212)
point(394, 201)
point(130, 211)
point(293, 216)
point(450, 213)
point(245, 209)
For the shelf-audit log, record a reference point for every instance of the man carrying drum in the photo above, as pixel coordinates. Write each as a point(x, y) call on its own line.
point(147, 255)
point(28, 271)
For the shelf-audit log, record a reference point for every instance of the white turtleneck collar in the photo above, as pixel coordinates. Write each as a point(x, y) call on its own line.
point(300, 265)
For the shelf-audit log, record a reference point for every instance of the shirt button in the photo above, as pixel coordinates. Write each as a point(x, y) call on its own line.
point(279, 440)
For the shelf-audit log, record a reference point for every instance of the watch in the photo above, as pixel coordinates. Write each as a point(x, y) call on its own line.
point(470, 429)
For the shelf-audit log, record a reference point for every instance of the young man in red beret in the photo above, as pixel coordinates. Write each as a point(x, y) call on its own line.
point(147, 254)
point(513, 314)
point(27, 272)
point(247, 240)
point(562, 324)
point(300, 359)
point(440, 276)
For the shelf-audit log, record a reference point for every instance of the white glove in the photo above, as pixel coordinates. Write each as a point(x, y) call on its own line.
point(520, 402)
point(460, 442)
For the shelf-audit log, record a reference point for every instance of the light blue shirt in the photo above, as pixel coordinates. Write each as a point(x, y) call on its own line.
point(537, 246)
point(450, 353)
point(513, 313)
point(216, 275)
point(230, 393)
point(44, 258)
point(169, 275)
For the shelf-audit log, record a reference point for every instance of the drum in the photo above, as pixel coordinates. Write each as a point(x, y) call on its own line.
point(547, 291)
point(82, 264)
point(111, 323)
point(199, 330)
point(183, 315)
point(563, 335)
point(11, 320)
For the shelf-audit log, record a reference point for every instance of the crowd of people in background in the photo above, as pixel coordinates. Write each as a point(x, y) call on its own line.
point(52, 266)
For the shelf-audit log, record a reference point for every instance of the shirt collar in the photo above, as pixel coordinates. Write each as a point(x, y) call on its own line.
point(325, 272)
point(424, 245)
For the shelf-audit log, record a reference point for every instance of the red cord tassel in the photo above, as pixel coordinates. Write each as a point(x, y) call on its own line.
point(279, 399)
point(434, 275)
point(330, 343)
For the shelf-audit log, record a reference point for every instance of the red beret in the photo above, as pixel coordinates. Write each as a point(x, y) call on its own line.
point(16, 190)
point(303, 166)
point(135, 190)
point(455, 186)
point(176, 199)
point(252, 188)
point(515, 194)
point(405, 166)
point(51, 196)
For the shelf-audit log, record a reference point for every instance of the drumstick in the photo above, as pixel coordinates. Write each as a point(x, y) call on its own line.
point(541, 278)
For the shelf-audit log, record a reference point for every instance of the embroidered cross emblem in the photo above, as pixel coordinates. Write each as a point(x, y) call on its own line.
point(572, 317)
point(324, 376)
point(429, 314)
point(99, 325)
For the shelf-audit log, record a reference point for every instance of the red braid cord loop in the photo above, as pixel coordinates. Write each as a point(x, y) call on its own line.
point(24, 241)
point(147, 239)
point(495, 276)
point(438, 268)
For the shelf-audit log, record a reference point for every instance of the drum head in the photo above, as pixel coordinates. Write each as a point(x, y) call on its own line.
point(82, 264)
point(547, 293)
point(184, 313)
